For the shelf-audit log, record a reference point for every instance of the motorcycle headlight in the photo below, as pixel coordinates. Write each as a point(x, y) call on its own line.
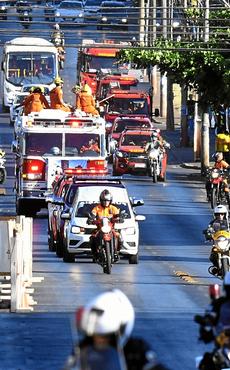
point(106, 229)
point(124, 20)
point(153, 154)
point(57, 14)
point(130, 231)
point(80, 15)
point(222, 243)
point(104, 19)
point(214, 175)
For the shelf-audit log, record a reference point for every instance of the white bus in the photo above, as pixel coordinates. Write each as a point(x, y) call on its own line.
point(27, 60)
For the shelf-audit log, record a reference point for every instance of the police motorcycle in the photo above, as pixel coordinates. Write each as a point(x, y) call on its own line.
point(156, 155)
point(219, 235)
point(219, 357)
point(2, 167)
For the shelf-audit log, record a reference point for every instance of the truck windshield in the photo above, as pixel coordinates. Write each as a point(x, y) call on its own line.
point(65, 145)
point(26, 68)
point(128, 106)
point(119, 126)
point(100, 62)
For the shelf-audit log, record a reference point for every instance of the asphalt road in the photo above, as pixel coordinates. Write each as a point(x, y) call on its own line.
point(167, 287)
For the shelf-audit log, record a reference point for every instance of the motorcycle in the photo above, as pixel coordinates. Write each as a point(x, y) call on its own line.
point(220, 253)
point(157, 158)
point(216, 184)
point(106, 237)
point(218, 359)
point(2, 167)
point(25, 19)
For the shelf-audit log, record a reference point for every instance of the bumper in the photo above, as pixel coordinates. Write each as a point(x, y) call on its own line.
point(131, 167)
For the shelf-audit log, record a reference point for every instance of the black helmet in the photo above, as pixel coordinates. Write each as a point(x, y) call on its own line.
point(105, 196)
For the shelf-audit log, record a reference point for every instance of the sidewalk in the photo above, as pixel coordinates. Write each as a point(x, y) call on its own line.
point(183, 156)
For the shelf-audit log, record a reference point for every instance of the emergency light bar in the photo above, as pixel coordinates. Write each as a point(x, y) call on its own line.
point(84, 171)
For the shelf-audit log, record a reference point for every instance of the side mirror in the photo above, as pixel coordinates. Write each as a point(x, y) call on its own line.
point(140, 218)
point(135, 202)
point(112, 146)
point(65, 216)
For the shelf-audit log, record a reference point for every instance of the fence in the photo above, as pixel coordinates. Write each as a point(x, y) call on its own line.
point(16, 263)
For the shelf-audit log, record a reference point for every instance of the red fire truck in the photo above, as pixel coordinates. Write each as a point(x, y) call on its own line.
point(49, 143)
point(115, 80)
point(94, 56)
point(126, 103)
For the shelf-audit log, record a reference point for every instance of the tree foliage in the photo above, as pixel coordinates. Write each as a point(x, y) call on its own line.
point(203, 66)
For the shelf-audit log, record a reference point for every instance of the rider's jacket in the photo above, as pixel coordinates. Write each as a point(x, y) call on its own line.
point(109, 211)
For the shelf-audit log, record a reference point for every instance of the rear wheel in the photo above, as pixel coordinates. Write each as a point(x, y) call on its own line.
point(51, 242)
point(59, 248)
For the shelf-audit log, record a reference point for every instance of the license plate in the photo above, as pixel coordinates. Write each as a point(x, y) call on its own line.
point(139, 165)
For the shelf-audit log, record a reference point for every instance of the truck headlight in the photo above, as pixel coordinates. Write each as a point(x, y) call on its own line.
point(75, 230)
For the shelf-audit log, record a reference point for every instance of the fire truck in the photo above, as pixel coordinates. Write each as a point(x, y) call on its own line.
point(95, 56)
point(111, 80)
point(50, 143)
point(126, 103)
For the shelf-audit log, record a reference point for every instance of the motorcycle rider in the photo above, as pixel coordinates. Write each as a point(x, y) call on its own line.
point(57, 36)
point(157, 141)
point(56, 96)
point(220, 164)
point(215, 324)
point(35, 101)
point(219, 222)
point(104, 209)
point(105, 325)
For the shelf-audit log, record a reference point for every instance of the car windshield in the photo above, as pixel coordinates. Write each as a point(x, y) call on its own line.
point(71, 4)
point(27, 89)
point(121, 125)
point(90, 3)
point(128, 106)
point(31, 68)
point(75, 145)
point(85, 207)
point(19, 99)
point(135, 140)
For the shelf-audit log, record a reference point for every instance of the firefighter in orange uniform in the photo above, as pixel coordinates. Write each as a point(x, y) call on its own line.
point(35, 101)
point(56, 96)
point(86, 102)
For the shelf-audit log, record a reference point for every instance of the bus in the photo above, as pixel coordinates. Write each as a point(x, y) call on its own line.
point(27, 60)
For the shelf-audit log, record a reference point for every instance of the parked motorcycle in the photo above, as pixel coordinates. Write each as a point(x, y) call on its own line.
point(220, 253)
point(216, 185)
point(25, 19)
point(106, 237)
point(2, 167)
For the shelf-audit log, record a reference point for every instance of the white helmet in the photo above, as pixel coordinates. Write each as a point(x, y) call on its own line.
point(56, 26)
point(220, 209)
point(55, 150)
point(109, 313)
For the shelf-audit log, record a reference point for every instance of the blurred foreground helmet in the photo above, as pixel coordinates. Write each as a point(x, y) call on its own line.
point(220, 209)
point(110, 313)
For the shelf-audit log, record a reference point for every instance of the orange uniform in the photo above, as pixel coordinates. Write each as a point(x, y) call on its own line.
point(35, 102)
point(86, 102)
point(109, 211)
point(221, 165)
point(56, 99)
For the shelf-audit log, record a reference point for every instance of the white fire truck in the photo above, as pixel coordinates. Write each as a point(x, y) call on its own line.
point(49, 143)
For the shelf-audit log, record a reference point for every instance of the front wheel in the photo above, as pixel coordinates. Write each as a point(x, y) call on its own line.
point(2, 175)
point(214, 197)
point(67, 257)
point(154, 173)
point(133, 259)
point(107, 266)
point(224, 266)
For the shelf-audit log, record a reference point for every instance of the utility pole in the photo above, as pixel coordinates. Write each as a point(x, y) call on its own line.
point(205, 121)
